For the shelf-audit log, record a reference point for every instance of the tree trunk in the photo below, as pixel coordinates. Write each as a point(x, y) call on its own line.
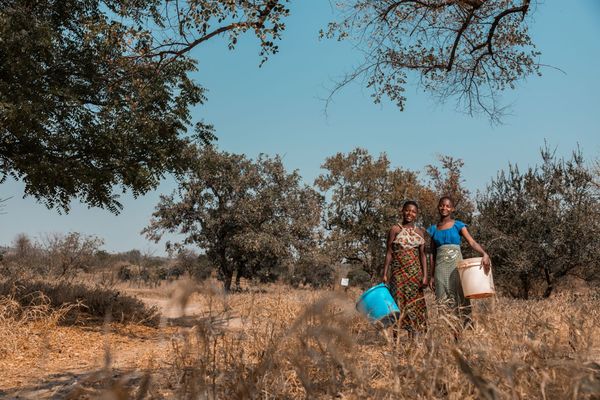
point(227, 278)
point(525, 286)
point(225, 269)
point(549, 282)
point(238, 276)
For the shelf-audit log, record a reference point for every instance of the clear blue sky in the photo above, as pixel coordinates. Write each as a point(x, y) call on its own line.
point(277, 109)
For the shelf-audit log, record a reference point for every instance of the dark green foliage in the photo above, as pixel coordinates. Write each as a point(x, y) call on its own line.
point(541, 225)
point(94, 101)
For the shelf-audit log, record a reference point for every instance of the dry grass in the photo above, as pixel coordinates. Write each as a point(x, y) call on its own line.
point(282, 343)
point(18, 324)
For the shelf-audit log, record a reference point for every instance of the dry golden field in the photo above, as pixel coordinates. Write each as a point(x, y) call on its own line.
point(274, 342)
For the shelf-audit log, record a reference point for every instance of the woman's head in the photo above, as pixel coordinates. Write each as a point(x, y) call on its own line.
point(410, 209)
point(445, 206)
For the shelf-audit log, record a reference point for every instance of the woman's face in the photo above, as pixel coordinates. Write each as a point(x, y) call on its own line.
point(445, 207)
point(409, 213)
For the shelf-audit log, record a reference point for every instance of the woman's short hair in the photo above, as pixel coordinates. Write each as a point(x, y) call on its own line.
point(409, 203)
point(450, 199)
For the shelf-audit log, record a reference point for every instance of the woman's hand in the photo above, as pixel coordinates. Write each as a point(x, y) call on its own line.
point(385, 278)
point(425, 282)
point(432, 284)
point(487, 263)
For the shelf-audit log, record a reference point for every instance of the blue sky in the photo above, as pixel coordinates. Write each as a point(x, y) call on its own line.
point(278, 109)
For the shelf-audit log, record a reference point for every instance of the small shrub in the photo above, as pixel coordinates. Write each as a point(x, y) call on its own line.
point(358, 277)
point(125, 273)
point(94, 303)
point(175, 271)
point(69, 253)
point(316, 275)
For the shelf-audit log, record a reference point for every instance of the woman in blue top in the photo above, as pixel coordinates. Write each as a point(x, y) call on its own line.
point(446, 237)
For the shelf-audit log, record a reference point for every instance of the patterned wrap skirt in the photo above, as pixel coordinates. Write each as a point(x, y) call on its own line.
point(405, 286)
point(447, 281)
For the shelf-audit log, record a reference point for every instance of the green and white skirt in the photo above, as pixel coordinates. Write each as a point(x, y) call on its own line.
point(447, 281)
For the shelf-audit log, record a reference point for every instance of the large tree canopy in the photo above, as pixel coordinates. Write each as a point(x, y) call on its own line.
point(365, 197)
point(467, 49)
point(252, 217)
point(95, 95)
point(541, 225)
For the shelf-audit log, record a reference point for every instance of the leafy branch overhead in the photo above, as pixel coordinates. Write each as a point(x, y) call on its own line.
point(95, 96)
point(470, 50)
point(187, 24)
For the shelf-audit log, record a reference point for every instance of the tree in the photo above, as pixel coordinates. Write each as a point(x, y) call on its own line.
point(447, 181)
point(196, 265)
point(365, 196)
point(251, 217)
point(467, 49)
point(95, 96)
point(25, 256)
point(71, 252)
point(541, 225)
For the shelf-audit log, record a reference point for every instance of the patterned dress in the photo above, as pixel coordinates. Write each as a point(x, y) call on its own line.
point(407, 277)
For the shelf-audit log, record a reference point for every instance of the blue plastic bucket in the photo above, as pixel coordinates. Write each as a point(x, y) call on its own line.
point(378, 305)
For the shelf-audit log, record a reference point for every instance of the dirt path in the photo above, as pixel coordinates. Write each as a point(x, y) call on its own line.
point(68, 357)
point(82, 359)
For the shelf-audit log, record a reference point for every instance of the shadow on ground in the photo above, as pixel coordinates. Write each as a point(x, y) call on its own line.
point(74, 385)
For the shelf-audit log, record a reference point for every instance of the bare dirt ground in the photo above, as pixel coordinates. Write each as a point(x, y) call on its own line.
point(73, 359)
point(78, 359)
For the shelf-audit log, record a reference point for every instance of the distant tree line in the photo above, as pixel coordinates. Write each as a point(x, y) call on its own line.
point(251, 219)
point(255, 220)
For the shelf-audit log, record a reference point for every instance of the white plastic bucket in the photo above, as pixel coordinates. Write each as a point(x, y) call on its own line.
point(475, 282)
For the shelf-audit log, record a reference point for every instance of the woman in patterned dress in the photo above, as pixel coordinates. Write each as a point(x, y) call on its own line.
point(405, 269)
point(446, 237)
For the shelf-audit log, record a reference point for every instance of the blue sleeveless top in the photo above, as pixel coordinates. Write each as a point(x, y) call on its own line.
point(446, 236)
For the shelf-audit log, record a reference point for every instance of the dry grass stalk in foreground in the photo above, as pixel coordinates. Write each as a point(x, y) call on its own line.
point(301, 344)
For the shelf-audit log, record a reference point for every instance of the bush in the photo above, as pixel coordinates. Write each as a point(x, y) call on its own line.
point(93, 302)
point(68, 253)
point(312, 269)
point(358, 277)
point(541, 225)
point(125, 273)
point(175, 271)
point(24, 258)
point(197, 266)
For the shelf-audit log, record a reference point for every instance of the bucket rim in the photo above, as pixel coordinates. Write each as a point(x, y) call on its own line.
point(470, 262)
point(371, 289)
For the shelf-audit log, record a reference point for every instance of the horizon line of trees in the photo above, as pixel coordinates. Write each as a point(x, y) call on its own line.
point(253, 219)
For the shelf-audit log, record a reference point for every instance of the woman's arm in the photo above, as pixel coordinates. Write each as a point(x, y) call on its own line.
point(388, 253)
point(433, 254)
point(477, 247)
point(423, 258)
